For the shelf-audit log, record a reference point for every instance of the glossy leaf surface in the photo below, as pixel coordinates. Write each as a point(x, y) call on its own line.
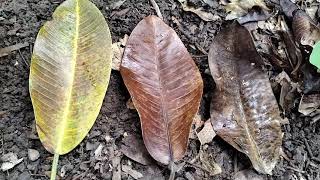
point(165, 86)
point(69, 74)
point(244, 111)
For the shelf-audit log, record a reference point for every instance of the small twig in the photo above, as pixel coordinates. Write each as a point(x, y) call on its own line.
point(24, 60)
point(315, 159)
point(308, 147)
point(295, 169)
point(156, 7)
point(7, 50)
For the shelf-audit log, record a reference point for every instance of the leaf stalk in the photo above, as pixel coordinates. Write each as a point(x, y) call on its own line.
point(54, 166)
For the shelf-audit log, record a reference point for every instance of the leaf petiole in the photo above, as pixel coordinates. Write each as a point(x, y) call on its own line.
point(54, 166)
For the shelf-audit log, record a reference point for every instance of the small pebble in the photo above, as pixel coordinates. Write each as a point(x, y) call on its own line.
point(33, 154)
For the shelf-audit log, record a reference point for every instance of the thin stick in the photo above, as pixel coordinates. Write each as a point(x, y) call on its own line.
point(7, 50)
point(54, 167)
point(156, 7)
point(173, 171)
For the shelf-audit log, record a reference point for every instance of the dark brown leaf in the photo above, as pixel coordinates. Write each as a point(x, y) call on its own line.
point(165, 86)
point(305, 30)
point(134, 149)
point(311, 79)
point(293, 52)
point(244, 111)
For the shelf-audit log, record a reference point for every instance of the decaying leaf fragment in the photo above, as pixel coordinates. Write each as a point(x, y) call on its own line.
point(69, 75)
point(206, 16)
point(305, 30)
point(165, 86)
point(309, 104)
point(238, 8)
point(244, 111)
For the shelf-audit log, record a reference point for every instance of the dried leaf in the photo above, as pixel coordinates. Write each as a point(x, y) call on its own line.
point(309, 104)
point(165, 86)
point(207, 133)
point(118, 49)
point(255, 14)
point(305, 30)
point(244, 111)
point(199, 11)
point(238, 8)
point(9, 160)
point(135, 174)
point(311, 79)
point(134, 149)
point(69, 74)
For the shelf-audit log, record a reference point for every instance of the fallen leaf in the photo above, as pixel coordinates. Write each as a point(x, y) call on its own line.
point(117, 4)
point(9, 161)
point(305, 30)
point(207, 133)
point(309, 104)
point(165, 86)
point(238, 8)
point(69, 75)
point(199, 11)
point(311, 79)
point(254, 14)
point(288, 90)
point(133, 173)
point(134, 149)
point(208, 163)
point(244, 111)
point(118, 49)
point(315, 55)
point(98, 152)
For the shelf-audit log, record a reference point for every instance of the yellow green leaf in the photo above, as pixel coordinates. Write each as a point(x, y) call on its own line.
point(69, 74)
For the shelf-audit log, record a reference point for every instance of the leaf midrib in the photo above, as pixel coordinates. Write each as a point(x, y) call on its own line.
point(73, 61)
point(162, 102)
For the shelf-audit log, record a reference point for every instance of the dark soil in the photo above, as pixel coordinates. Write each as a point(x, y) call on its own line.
point(20, 21)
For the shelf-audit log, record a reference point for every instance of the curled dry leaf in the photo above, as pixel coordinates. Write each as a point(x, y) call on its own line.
point(118, 49)
point(309, 104)
point(238, 8)
point(165, 86)
point(244, 111)
point(305, 30)
point(69, 74)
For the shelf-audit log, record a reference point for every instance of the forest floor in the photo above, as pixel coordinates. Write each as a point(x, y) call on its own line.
point(115, 138)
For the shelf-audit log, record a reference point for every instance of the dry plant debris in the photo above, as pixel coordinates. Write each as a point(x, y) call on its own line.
point(165, 86)
point(244, 111)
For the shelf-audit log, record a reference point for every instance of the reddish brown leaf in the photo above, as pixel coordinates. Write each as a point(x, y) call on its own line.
point(244, 111)
point(165, 86)
point(305, 30)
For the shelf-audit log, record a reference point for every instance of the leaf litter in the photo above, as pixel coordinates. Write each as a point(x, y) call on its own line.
point(244, 111)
